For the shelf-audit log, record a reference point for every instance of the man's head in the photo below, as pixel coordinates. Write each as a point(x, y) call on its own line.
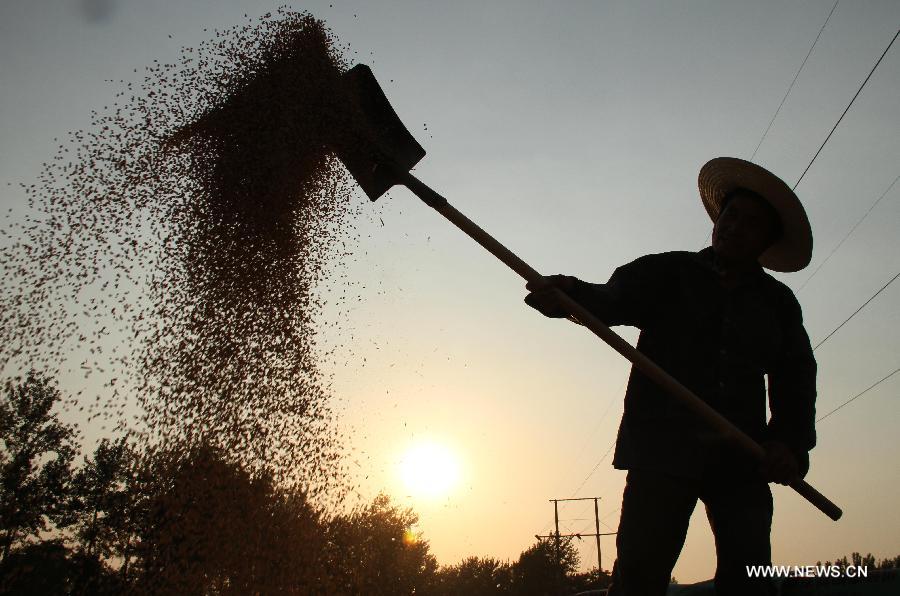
point(765, 222)
point(747, 225)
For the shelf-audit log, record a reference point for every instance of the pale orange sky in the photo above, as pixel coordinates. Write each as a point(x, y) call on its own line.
point(573, 132)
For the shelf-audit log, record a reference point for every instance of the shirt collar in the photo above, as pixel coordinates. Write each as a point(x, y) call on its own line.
point(707, 257)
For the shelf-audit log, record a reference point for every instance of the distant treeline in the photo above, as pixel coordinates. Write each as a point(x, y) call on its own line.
point(868, 561)
point(188, 520)
point(191, 521)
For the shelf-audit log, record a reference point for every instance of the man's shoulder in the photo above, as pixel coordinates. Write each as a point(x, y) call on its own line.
point(780, 291)
point(670, 258)
point(676, 255)
point(655, 266)
point(775, 284)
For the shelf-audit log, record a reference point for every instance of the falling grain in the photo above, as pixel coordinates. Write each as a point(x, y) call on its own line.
point(174, 249)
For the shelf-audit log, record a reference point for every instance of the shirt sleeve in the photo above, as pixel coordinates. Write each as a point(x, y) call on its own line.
point(629, 297)
point(792, 387)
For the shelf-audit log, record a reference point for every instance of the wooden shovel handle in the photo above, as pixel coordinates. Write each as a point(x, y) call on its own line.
point(678, 391)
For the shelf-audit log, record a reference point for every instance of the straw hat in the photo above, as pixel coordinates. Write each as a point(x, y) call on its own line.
point(793, 251)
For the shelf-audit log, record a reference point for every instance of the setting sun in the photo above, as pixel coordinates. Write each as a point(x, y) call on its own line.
point(429, 470)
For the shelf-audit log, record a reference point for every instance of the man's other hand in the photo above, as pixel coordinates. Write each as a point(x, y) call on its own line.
point(779, 463)
point(545, 299)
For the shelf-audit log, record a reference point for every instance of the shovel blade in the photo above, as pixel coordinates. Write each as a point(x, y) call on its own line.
point(375, 144)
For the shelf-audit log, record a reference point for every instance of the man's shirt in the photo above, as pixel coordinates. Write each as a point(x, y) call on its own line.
point(721, 344)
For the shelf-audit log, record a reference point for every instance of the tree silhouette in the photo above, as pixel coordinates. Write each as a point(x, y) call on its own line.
point(35, 460)
point(207, 525)
point(101, 504)
point(41, 568)
point(475, 576)
point(50, 567)
point(542, 570)
point(189, 519)
point(374, 551)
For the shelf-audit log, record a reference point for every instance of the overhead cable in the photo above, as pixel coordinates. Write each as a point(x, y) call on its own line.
point(883, 54)
point(589, 437)
point(872, 297)
point(594, 469)
point(791, 86)
point(860, 394)
point(847, 235)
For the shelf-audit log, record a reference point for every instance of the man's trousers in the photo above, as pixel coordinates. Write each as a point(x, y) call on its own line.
point(656, 509)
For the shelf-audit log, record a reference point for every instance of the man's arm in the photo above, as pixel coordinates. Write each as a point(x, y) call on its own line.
point(792, 393)
point(626, 299)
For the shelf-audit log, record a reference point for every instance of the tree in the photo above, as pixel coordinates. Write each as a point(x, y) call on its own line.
point(475, 576)
point(593, 579)
point(861, 561)
point(100, 508)
point(35, 460)
point(207, 525)
point(50, 567)
point(41, 568)
point(374, 551)
point(542, 570)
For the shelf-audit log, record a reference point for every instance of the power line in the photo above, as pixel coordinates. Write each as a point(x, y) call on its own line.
point(610, 514)
point(827, 337)
point(585, 510)
point(799, 180)
point(844, 239)
point(791, 86)
point(594, 469)
point(596, 534)
point(783, 99)
point(601, 497)
point(872, 297)
point(600, 421)
point(609, 527)
point(602, 418)
point(883, 54)
point(860, 394)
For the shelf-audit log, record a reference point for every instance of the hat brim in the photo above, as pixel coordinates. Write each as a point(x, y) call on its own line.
point(722, 175)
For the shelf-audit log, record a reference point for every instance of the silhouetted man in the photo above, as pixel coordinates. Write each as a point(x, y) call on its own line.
point(719, 324)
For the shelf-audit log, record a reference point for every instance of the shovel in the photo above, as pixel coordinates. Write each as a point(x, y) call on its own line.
point(379, 153)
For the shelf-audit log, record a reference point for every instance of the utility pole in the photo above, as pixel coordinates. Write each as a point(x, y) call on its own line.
point(559, 573)
point(597, 531)
point(597, 534)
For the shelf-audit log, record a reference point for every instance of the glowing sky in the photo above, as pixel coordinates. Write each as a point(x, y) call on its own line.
point(573, 132)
